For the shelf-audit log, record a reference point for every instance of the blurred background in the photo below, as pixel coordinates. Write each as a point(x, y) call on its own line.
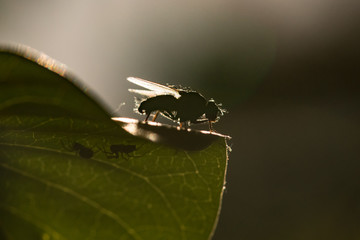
point(287, 71)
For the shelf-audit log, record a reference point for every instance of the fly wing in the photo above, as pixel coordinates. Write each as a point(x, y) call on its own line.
point(145, 93)
point(155, 89)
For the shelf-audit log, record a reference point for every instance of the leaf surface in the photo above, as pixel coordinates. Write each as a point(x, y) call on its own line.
point(60, 177)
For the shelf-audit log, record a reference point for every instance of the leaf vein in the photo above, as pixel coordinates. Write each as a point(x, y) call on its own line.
point(77, 195)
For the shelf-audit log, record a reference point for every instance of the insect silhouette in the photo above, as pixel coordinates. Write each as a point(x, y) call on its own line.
point(79, 149)
point(120, 149)
point(179, 105)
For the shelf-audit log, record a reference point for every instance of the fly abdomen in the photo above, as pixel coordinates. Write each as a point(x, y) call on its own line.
point(161, 103)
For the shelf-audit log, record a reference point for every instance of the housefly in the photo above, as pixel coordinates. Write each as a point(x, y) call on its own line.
point(183, 106)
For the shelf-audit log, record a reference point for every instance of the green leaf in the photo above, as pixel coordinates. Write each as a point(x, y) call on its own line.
point(59, 178)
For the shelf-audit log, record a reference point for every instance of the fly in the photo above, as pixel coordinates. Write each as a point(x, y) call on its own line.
point(180, 105)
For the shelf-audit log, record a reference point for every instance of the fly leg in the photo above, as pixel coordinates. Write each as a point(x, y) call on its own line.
point(184, 124)
point(147, 117)
point(155, 116)
point(210, 126)
point(187, 125)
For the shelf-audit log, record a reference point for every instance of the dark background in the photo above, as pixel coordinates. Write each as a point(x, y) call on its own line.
point(287, 71)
